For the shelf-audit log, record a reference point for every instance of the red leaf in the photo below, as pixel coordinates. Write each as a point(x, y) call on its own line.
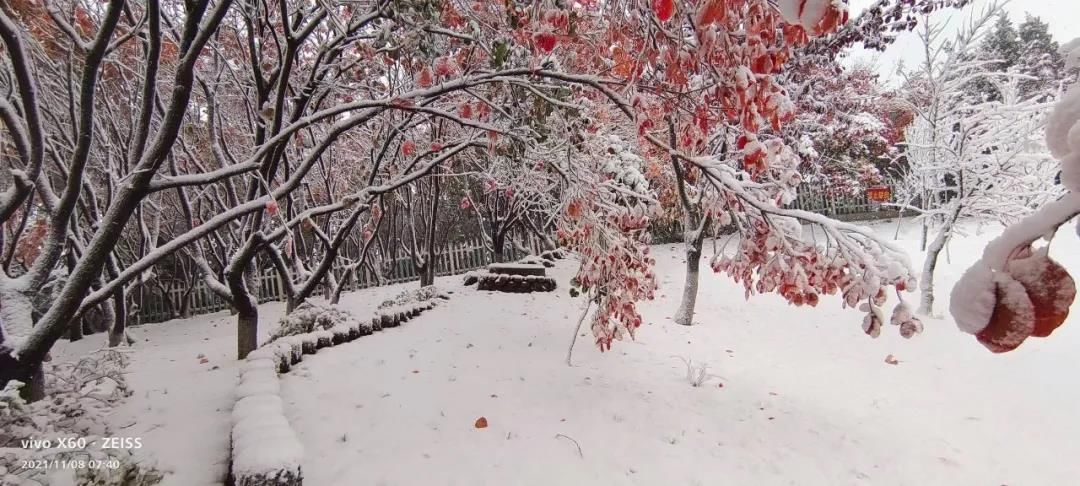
point(711, 11)
point(664, 9)
point(444, 66)
point(1012, 320)
point(481, 423)
point(545, 41)
point(424, 78)
point(1050, 288)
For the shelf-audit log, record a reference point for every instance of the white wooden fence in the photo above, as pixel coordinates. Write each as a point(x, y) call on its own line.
point(817, 199)
point(459, 258)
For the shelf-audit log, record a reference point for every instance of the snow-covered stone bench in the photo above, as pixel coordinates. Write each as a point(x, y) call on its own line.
point(265, 449)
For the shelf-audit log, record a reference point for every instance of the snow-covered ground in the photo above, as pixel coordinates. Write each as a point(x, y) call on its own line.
point(806, 397)
point(181, 405)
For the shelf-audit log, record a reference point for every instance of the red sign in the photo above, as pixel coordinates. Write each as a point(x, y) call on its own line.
point(879, 193)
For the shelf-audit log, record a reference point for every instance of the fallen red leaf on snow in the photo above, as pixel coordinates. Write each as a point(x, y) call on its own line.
point(481, 423)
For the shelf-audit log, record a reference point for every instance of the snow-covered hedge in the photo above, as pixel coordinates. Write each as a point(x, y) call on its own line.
point(265, 449)
point(421, 294)
point(81, 395)
point(309, 317)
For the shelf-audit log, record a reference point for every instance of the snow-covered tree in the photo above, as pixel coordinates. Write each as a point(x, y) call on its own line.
point(971, 159)
point(1040, 59)
point(1002, 46)
point(843, 130)
point(1015, 290)
point(1029, 50)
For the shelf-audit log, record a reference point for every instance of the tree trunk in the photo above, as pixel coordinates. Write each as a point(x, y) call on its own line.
point(427, 274)
point(247, 309)
point(75, 327)
point(75, 330)
point(695, 240)
point(185, 304)
point(498, 245)
point(693, 235)
point(247, 331)
point(35, 386)
point(927, 281)
point(335, 295)
point(927, 284)
point(31, 375)
point(118, 328)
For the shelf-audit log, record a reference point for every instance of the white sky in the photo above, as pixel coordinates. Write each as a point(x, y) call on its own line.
point(1062, 15)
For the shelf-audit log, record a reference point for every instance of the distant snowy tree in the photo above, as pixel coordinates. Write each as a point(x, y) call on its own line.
point(1028, 50)
point(971, 159)
point(1040, 59)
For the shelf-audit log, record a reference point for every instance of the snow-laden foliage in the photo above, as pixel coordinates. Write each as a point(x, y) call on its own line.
point(844, 130)
point(82, 396)
point(605, 221)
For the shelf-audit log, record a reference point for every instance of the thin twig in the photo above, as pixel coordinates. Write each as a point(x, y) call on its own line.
point(571, 439)
point(570, 352)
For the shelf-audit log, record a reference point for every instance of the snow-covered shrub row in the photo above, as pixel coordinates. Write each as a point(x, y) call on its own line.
point(81, 395)
point(421, 294)
point(265, 449)
point(309, 317)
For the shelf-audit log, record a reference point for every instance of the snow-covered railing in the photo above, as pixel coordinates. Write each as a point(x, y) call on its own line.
point(459, 258)
point(265, 449)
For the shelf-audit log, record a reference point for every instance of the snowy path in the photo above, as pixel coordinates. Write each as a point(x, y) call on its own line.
point(807, 398)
